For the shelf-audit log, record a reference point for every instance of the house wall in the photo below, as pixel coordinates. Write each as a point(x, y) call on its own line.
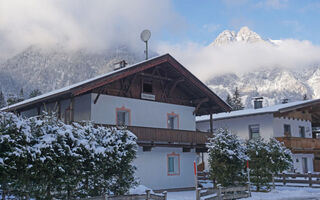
point(278, 127)
point(143, 113)
point(297, 162)
point(240, 125)
point(152, 168)
point(82, 108)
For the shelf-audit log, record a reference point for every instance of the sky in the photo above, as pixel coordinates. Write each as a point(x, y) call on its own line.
point(276, 19)
point(183, 28)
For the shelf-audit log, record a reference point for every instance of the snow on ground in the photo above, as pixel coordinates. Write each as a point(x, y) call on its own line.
point(280, 193)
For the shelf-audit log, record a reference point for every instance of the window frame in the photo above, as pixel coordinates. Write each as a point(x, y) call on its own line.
point(304, 132)
point(175, 115)
point(123, 109)
point(284, 130)
point(250, 133)
point(177, 156)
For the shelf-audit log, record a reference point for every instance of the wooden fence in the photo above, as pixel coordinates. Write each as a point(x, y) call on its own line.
point(146, 196)
point(309, 179)
point(224, 193)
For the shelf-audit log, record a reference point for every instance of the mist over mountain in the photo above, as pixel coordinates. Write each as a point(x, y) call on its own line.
point(55, 67)
point(273, 83)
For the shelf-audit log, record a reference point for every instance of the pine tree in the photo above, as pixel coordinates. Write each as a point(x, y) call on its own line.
point(236, 100)
point(34, 93)
point(227, 157)
point(305, 97)
point(229, 101)
point(2, 100)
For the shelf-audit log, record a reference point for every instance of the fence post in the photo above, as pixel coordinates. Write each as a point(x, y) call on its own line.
point(284, 178)
point(310, 179)
point(105, 197)
point(198, 194)
point(148, 194)
point(165, 194)
point(273, 184)
point(220, 193)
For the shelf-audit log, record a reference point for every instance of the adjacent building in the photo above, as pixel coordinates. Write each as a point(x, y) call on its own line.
point(294, 123)
point(158, 100)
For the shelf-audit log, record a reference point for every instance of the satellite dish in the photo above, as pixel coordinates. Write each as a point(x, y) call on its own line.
point(145, 35)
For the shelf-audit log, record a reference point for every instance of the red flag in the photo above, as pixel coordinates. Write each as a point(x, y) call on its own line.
point(195, 168)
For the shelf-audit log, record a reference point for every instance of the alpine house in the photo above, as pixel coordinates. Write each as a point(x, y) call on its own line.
point(157, 99)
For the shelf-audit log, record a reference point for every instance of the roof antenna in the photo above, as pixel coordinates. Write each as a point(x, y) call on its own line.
point(145, 36)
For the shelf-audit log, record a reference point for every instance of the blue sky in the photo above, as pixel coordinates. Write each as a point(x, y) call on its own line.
point(275, 19)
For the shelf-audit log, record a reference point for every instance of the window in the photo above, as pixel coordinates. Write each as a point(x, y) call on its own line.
point(172, 120)
point(302, 131)
point(287, 130)
point(254, 131)
point(147, 87)
point(173, 164)
point(123, 116)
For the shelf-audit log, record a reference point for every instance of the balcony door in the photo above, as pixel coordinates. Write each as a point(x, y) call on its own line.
point(304, 165)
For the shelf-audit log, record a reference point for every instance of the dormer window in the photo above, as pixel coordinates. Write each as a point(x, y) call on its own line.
point(147, 87)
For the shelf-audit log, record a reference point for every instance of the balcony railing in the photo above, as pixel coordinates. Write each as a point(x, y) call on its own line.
point(171, 137)
point(298, 143)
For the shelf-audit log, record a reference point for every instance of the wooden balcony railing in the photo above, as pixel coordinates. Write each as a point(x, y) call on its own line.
point(297, 143)
point(168, 137)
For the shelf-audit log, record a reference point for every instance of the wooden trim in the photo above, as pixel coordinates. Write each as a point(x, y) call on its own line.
point(126, 110)
point(175, 115)
point(173, 155)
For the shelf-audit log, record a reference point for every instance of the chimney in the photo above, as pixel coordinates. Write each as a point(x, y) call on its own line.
point(285, 101)
point(120, 65)
point(257, 102)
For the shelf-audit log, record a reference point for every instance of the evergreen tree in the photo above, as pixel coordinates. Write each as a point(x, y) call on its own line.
point(34, 93)
point(2, 100)
point(236, 100)
point(305, 97)
point(229, 101)
point(267, 159)
point(13, 99)
point(227, 157)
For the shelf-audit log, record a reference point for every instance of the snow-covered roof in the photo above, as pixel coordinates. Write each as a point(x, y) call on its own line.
point(270, 109)
point(68, 88)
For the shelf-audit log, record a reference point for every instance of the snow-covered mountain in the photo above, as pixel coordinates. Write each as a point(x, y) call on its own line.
point(244, 35)
point(274, 84)
point(51, 68)
point(55, 67)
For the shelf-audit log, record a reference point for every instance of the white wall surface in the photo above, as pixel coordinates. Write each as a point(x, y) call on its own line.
point(278, 127)
point(143, 113)
point(152, 168)
point(298, 165)
point(240, 125)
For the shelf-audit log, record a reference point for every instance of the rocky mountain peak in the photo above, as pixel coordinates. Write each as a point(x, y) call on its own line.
point(244, 35)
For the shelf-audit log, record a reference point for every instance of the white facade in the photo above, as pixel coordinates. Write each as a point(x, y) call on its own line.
point(152, 168)
point(142, 112)
point(269, 126)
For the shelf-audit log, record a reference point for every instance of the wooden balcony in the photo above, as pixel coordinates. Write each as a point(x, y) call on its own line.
point(169, 137)
point(303, 145)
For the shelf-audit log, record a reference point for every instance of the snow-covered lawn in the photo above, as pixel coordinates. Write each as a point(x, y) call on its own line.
point(280, 193)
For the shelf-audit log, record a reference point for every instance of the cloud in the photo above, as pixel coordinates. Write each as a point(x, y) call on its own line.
point(81, 23)
point(209, 61)
point(274, 4)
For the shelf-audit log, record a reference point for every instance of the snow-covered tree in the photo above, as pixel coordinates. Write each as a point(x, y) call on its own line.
point(227, 157)
point(34, 93)
point(236, 100)
point(44, 158)
point(229, 100)
point(267, 158)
